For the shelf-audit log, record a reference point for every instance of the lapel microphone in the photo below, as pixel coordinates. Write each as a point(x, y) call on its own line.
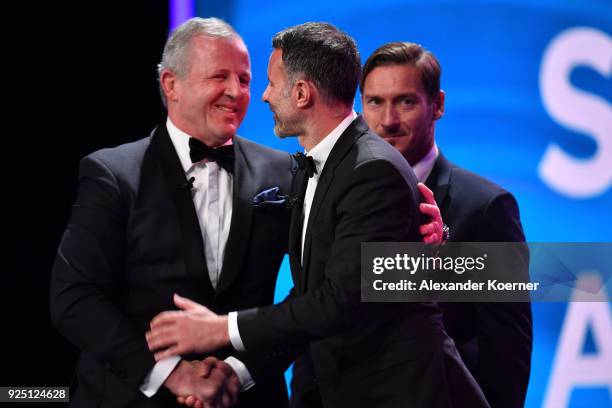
point(189, 184)
point(294, 202)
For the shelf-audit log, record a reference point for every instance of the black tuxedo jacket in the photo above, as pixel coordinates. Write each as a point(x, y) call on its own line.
point(133, 240)
point(494, 339)
point(364, 354)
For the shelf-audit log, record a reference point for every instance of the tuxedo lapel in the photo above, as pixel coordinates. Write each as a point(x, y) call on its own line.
point(191, 236)
point(295, 227)
point(341, 148)
point(242, 216)
point(439, 180)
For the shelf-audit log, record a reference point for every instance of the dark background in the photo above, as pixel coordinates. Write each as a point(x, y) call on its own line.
point(76, 78)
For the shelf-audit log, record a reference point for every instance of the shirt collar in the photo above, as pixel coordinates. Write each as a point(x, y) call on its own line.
point(180, 140)
point(423, 168)
point(321, 151)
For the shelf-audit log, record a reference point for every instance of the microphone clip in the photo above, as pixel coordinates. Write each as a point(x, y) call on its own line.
point(188, 184)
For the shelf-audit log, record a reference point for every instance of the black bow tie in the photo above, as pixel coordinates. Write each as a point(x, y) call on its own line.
point(223, 155)
point(305, 163)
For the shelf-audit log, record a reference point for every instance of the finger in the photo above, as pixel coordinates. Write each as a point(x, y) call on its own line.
point(427, 193)
point(169, 352)
point(432, 239)
point(232, 384)
point(161, 339)
point(226, 400)
point(180, 400)
point(211, 361)
point(430, 210)
point(215, 384)
point(185, 304)
point(155, 334)
point(431, 228)
point(224, 367)
point(165, 318)
point(204, 368)
point(233, 388)
point(191, 401)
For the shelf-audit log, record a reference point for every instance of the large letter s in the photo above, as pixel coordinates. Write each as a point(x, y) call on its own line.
point(579, 111)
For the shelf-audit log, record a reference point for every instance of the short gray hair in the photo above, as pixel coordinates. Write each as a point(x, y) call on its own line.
point(176, 55)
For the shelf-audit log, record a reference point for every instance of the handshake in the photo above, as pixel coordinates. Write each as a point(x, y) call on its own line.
point(203, 384)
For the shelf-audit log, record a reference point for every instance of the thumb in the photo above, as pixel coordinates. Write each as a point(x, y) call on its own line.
point(184, 303)
point(427, 194)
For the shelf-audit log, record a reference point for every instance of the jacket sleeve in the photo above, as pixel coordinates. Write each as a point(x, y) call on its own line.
point(504, 329)
point(86, 281)
point(373, 205)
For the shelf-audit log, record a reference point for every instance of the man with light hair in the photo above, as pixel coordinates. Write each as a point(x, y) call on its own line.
point(173, 213)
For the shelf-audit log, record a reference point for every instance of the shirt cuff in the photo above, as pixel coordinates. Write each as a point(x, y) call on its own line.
point(158, 374)
point(246, 381)
point(234, 334)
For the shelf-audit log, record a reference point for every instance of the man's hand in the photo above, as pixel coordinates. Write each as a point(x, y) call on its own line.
point(194, 329)
point(230, 393)
point(431, 231)
point(204, 384)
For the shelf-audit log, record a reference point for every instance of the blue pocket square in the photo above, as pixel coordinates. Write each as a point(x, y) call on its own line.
point(270, 199)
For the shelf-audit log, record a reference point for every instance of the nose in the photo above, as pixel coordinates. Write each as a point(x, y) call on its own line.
point(232, 88)
point(264, 96)
point(390, 118)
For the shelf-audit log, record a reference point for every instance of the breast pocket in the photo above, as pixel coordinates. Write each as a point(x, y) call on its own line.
point(270, 229)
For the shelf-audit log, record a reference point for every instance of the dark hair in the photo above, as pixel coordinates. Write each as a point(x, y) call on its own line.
point(324, 55)
point(405, 53)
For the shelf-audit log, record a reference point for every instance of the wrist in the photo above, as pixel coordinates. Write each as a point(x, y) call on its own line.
point(174, 378)
point(223, 331)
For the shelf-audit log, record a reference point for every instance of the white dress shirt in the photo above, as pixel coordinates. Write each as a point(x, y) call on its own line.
point(319, 153)
point(423, 168)
point(212, 195)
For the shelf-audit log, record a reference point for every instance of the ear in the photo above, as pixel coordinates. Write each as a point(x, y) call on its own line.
point(439, 105)
point(170, 85)
point(303, 93)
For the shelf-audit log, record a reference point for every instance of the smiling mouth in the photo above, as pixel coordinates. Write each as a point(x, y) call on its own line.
point(226, 109)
